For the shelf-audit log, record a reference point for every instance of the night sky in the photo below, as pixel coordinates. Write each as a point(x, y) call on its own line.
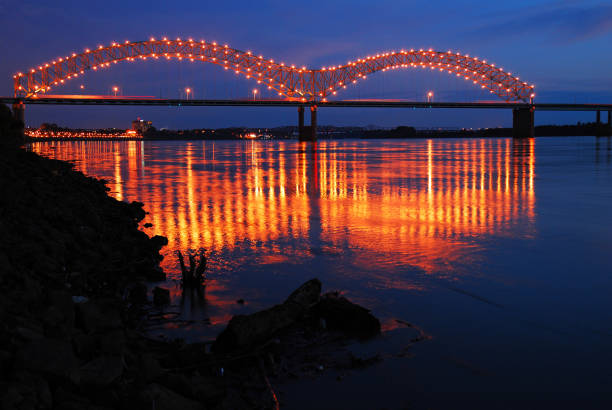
point(563, 47)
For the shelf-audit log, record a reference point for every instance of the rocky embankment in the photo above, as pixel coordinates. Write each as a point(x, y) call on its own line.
point(73, 267)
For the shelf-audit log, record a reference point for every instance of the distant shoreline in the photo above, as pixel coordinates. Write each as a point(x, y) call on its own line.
point(325, 133)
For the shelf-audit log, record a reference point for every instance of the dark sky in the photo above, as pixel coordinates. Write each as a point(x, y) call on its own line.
point(563, 47)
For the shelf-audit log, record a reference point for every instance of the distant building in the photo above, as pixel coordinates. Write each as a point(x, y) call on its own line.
point(141, 126)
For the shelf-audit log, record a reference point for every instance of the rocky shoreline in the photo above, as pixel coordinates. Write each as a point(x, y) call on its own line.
point(73, 271)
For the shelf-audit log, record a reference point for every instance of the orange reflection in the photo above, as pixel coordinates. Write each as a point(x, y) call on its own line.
point(390, 204)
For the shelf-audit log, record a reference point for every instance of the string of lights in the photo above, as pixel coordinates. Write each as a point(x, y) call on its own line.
point(289, 81)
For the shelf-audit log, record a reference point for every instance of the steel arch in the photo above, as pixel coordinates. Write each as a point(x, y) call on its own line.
point(292, 83)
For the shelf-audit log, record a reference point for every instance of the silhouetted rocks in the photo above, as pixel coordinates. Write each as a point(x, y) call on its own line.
point(341, 314)
point(248, 330)
point(301, 307)
point(72, 266)
point(161, 296)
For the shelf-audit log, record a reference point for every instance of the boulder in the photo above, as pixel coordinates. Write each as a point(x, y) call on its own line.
point(50, 356)
point(98, 315)
point(247, 330)
point(341, 314)
point(84, 345)
point(102, 371)
point(158, 397)
point(138, 294)
point(161, 296)
point(149, 367)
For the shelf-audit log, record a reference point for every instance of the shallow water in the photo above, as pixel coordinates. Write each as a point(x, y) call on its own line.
point(499, 249)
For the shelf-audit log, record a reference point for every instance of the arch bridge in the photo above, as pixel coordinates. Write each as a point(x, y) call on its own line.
point(299, 84)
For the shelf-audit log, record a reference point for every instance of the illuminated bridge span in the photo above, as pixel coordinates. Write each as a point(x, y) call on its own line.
point(291, 82)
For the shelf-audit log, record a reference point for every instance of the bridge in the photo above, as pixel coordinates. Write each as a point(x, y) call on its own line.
point(296, 86)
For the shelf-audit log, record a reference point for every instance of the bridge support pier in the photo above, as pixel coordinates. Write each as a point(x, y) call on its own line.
point(523, 125)
point(313, 122)
point(301, 119)
point(307, 133)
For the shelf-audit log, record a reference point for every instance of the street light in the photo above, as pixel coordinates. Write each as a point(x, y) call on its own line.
point(254, 93)
point(531, 97)
point(188, 91)
point(430, 96)
point(115, 89)
point(82, 87)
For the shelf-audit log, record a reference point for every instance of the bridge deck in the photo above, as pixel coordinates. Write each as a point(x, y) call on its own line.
point(285, 103)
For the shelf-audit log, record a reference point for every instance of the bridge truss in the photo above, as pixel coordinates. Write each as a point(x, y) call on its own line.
point(291, 82)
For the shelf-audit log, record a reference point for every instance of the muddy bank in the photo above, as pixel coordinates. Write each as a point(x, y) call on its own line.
point(73, 270)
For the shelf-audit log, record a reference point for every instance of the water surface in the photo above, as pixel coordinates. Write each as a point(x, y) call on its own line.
point(500, 249)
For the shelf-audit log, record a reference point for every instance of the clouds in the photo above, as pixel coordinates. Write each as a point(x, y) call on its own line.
point(564, 23)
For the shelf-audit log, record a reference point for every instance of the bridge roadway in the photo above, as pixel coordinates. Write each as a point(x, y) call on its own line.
point(59, 100)
point(522, 113)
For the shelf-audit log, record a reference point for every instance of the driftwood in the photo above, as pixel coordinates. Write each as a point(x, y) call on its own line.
point(194, 276)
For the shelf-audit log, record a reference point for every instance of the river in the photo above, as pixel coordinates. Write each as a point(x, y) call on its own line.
point(499, 249)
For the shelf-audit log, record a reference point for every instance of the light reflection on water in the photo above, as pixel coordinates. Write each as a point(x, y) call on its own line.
point(499, 248)
point(369, 211)
point(417, 204)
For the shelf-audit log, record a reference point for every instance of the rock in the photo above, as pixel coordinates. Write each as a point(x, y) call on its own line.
point(6, 359)
point(208, 389)
point(148, 225)
point(149, 367)
point(138, 294)
point(93, 316)
point(113, 342)
point(84, 345)
point(29, 333)
point(154, 274)
point(306, 295)
point(50, 356)
point(247, 330)
point(158, 397)
point(102, 371)
point(159, 242)
point(80, 299)
point(12, 397)
point(161, 296)
point(341, 314)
